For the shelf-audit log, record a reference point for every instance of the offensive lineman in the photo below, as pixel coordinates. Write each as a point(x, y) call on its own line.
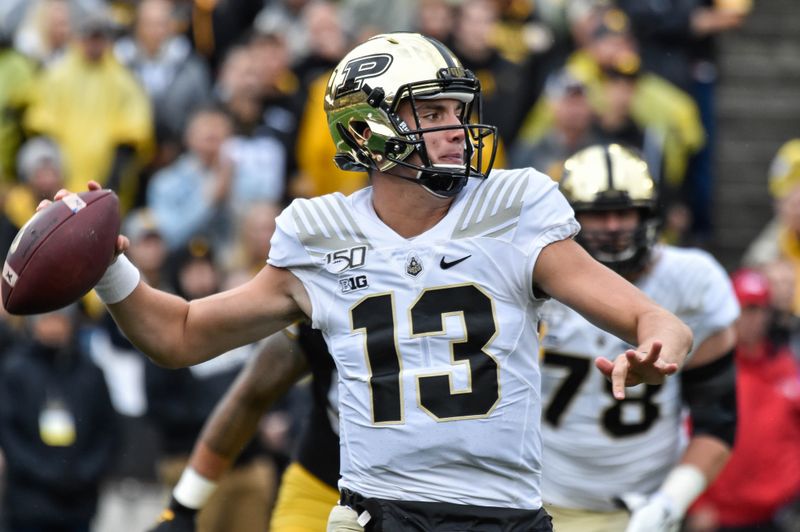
point(594, 444)
point(427, 287)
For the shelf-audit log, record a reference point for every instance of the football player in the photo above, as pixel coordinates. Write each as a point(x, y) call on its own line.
point(427, 286)
point(594, 445)
point(308, 486)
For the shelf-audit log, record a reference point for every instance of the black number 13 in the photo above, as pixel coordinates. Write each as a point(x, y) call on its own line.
point(375, 317)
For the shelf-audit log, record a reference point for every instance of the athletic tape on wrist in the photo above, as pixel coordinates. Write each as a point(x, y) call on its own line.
point(193, 489)
point(683, 485)
point(120, 279)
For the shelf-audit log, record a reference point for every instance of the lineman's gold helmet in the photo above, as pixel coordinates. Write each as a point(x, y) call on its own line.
point(611, 177)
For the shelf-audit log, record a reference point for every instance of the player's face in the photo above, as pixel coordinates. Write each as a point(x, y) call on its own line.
point(611, 230)
point(443, 147)
point(609, 220)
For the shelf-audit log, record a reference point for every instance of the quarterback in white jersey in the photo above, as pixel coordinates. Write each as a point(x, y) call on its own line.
point(427, 287)
point(594, 444)
point(432, 337)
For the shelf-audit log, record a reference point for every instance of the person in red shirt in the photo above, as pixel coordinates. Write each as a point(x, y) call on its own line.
point(762, 476)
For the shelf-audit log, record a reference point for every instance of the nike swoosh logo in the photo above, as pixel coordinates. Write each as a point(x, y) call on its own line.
point(445, 265)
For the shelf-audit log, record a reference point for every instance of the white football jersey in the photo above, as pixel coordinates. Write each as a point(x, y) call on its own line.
point(597, 448)
point(433, 337)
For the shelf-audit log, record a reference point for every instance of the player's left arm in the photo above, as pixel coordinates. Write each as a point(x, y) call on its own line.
point(565, 271)
point(709, 390)
point(708, 385)
point(233, 423)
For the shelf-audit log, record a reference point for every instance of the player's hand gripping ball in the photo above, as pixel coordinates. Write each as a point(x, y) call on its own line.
point(61, 252)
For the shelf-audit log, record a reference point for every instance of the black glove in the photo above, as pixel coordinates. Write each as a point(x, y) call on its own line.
point(175, 518)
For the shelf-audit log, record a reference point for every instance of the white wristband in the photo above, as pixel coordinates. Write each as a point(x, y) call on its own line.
point(193, 489)
point(683, 485)
point(119, 281)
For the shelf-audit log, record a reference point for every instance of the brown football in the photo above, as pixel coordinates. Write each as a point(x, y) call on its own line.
point(61, 252)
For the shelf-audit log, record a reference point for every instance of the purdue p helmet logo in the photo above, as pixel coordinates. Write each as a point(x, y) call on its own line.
point(360, 69)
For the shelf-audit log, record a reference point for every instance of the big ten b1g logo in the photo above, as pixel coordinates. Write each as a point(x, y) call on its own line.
point(351, 284)
point(360, 69)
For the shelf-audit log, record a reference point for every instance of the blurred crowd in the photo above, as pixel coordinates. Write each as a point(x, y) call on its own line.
point(206, 117)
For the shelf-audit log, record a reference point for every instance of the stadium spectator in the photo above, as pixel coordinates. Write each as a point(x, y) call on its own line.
point(435, 19)
point(780, 238)
point(58, 429)
point(762, 477)
point(47, 29)
point(281, 96)
point(200, 193)
point(614, 122)
point(215, 26)
point(12, 331)
point(238, 88)
point(286, 16)
point(41, 173)
point(782, 274)
point(190, 196)
point(17, 73)
point(571, 130)
point(520, 31)
point(96, 111)
point(326, 41)
point(254, 147)
point(122, 364)
point(471, 40)
point(523, 35)
point(776, 249)
point(175, 78)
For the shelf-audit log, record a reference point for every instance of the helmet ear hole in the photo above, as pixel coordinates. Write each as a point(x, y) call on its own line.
point(361, 130)
point(358, 149)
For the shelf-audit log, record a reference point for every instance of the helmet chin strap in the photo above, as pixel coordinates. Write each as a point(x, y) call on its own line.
point(427, 178)
point(453, 182)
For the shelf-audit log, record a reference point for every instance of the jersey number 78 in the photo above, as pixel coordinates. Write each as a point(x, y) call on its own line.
point(612, 417)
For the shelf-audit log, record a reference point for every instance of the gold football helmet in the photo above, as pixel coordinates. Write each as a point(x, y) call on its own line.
point(365, 90)
point(611, 177)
